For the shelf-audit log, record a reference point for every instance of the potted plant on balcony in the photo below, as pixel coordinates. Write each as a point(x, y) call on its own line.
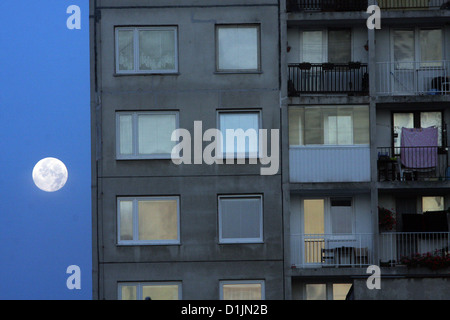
point(386, 219)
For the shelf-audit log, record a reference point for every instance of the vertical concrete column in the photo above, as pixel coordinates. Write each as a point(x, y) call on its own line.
point(373, 137)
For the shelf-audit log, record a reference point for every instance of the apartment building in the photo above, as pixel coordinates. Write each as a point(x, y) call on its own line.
point(186, 231)
point(362, 118)
point(368, 156)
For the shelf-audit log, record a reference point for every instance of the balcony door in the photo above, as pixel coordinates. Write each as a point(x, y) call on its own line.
point(328, 224)
point(417, 60)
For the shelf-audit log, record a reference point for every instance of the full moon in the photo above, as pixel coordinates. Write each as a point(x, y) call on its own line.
point(50, 174)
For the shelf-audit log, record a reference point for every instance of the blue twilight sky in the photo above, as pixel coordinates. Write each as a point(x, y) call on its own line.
point(44, 112)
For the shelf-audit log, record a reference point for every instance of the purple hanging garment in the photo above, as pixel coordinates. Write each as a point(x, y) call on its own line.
point(419, 147)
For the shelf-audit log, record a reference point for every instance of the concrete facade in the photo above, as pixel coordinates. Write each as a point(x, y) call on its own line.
point(197, 91)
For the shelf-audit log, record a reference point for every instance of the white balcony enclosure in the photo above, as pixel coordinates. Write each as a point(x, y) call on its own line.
point(413, 78)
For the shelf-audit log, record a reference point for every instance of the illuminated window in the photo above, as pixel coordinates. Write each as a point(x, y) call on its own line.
point(150, 291)
point(152, 220)
point(242, 290)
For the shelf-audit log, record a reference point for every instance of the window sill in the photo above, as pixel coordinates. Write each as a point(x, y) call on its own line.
point(146, 74)
point(237, 72)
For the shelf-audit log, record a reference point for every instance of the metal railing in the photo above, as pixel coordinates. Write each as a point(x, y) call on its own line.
point(332, 250)
point(357, 250)
point(396, 247)
point(413, 164)
point(413, 4)
point(413, 78)
point(328, 78)
point(326, 5)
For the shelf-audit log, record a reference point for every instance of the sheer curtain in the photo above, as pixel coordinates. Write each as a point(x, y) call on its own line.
point(154, 133)
point(244, 291)
point(156, 49)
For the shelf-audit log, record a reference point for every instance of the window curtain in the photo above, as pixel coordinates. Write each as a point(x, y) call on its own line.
point(126, 49)
point(154, 134)
point(156, 50)
point(238, 48)
point(242, 291)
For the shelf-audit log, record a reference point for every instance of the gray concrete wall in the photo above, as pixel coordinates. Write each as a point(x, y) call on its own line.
point(420, 288)
point(197, 92)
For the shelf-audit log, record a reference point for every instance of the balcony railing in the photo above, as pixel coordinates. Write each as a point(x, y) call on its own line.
point(413, 78)
point(331, 250)
point(413, 164)
point(357, 250)
point(397, 247)
point(345, 78)
point(326, 5)
point(413, 4)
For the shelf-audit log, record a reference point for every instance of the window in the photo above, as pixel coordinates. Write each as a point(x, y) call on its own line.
point(327, 291)
point(424, 45)
point(240, 219)
point(150, 291)
point(328, 215)
point(242, 290)
point(416, 119)
point(238, 48)
point(240, 133)
point(149, 220)
point(339, 46)
point(341, 216)
point(329, 125)
point(432, 204)
point(145, 135)
point(146, 50)
point(334, 46)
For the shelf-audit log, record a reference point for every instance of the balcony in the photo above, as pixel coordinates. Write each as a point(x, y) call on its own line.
point(413, 164)
point(326, 5)
point(413, 4)
point(331, 250)
point(400, 248)
point(357, 250)
point(413, 78)
point(328, 78)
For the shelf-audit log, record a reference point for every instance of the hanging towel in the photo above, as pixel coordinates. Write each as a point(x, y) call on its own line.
point(419, 147)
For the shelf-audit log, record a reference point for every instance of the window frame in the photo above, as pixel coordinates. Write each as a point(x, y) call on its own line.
point(325, 44)
point(135, 135)
point(259, 239)
point(223, 154)
point(418, 59)
point(323, 109)
point(135, 221)
point(238, 25)
point(136, 30)
point(417, 118)
point(231, 282)
point(139, 285)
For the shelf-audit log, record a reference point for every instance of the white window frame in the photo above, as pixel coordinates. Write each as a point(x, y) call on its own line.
point(135, 136)
point(259, 239)
point(416, 37)
point(136, 49)
point(303, 127)
point(231, 26)
point(226, 282)
point(139, 285)
point(223, 154)
point(328, 228)
point(325, 45)
point(135, 221)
